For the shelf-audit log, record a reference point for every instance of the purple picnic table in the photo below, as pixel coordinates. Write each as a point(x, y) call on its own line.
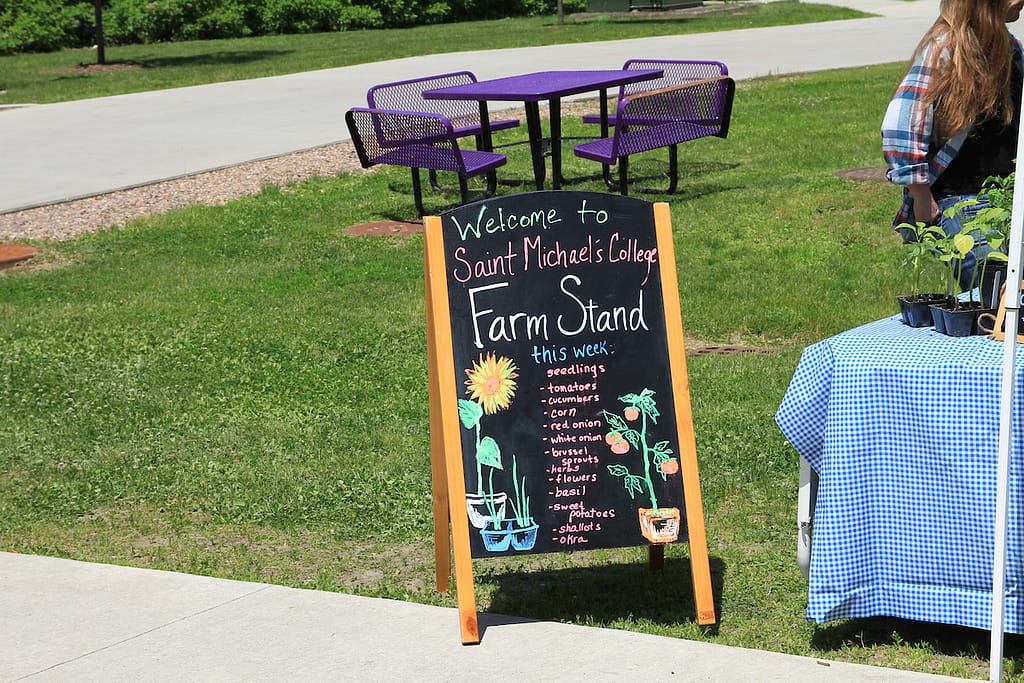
point(531, 89)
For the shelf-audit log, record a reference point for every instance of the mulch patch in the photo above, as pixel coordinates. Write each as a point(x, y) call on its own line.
point(94, 68)
point(11, 254)
point(727, 350)
point(875, 174)
point(385, 228)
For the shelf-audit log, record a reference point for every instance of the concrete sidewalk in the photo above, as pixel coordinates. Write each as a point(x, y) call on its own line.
point(57, 152)
point(75, 621)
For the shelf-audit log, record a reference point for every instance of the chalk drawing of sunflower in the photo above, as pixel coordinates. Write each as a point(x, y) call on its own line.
point(492, 382)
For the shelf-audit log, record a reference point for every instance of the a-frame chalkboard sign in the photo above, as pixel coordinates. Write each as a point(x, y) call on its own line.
point(559, 400)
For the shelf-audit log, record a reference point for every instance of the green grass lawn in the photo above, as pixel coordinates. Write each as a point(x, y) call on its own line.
point(240, 391)
point(61, 76)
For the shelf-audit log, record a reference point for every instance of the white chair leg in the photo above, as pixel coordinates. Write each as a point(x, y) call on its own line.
point(807, 495)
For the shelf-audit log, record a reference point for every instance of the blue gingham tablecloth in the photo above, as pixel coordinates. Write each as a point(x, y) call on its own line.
point(901, 424)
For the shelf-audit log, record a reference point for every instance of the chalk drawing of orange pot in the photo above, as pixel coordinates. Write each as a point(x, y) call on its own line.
point(659, 526)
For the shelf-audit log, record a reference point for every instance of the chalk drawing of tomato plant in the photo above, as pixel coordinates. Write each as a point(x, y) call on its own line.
point(491, 384)
point(628, 433)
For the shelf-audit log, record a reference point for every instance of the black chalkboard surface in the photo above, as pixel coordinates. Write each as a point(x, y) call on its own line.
point(562, 372)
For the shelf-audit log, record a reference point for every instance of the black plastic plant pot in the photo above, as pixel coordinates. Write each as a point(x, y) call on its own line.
point(963, 322)
point(938, 319)
point(915, 308)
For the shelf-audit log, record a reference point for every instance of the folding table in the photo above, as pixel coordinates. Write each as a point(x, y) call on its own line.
point(900, 427)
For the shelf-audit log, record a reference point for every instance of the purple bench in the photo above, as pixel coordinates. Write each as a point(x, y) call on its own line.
point(663, 118)
point(407, 95)
point(676, 72)
point(418, 140)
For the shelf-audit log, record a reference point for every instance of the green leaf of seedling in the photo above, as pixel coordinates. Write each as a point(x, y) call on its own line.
point(470, 413)
point(488, 453)
point(633, 437)
point(963, 243)
point(956, 208)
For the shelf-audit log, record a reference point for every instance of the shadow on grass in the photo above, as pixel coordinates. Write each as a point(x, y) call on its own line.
point(599, 595)
point(218, 58)
point(687, 190)
point(945, 639)
point(222, 58)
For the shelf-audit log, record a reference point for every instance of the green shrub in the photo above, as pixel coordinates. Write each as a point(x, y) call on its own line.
point(300, 16)
point(359, 17)
point(44, 25)
point(465, 10)
point(152, 21)
point(401, 13)
point(316, 16)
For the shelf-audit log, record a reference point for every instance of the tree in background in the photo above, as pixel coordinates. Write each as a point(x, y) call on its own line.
point(44, 25)
point(101, 53)
point(47, 25)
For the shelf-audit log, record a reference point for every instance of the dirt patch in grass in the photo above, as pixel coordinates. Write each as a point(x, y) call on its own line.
point(385, 229)
point(109, 67)
point(870, 174)
point(706, 349)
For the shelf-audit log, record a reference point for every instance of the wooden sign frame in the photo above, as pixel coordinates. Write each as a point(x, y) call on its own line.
point(1000, 317)
point(451, 521)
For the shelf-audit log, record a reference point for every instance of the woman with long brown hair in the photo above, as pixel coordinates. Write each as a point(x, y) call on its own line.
point(954, 118)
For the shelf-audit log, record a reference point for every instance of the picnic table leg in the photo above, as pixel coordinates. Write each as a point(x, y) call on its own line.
point(417, 192)
point(673, 169)
point(606, 170)
point(432, 177)
point(484, 143)
point(536, 143)
point(555, 115)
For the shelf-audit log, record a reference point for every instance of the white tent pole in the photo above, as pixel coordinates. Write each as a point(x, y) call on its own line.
point(1011, 318)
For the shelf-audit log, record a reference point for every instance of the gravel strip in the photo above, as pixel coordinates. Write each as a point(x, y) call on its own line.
point(93, 214)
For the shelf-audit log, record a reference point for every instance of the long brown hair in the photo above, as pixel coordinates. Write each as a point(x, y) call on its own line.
point(972, 86)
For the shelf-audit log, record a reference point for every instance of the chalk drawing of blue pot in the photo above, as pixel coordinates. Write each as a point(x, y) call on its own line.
point(524, 538)
point(497, 540)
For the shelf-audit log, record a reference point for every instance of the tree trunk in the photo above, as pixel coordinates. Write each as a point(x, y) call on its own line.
point(101, 57)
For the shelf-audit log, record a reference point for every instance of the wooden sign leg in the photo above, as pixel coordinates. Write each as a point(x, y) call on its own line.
point(699, 565)
point(444, 408)
point(439, 473)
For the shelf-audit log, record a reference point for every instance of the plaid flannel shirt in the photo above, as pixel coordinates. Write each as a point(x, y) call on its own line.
point(907, 143)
